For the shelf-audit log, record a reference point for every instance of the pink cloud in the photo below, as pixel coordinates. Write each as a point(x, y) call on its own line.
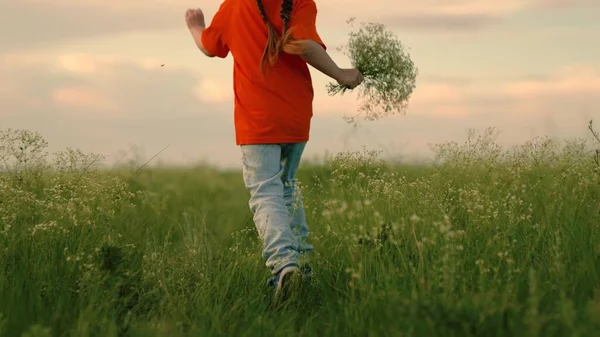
point(408, 7)
point(122, 5)
point(85, 98)
point(573, 80)
point(103, 84)
point(577, 86)
point(135, 100)
point(214, 90)
point(437, 92)
point(439, 99)
point(423, 7)
point(87, 84)
point(84, 64)
point(343, 9)
point(446, 98)
point(81, 64)
point(431, 99)
point(71, 20)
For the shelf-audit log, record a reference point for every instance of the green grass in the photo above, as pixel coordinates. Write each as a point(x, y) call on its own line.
point(487, 242)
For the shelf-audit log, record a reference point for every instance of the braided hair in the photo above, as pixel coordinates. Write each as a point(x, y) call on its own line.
point(276, 44)
point(286, 14)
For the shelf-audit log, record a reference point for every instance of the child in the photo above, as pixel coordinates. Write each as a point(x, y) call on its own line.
point(271, 42)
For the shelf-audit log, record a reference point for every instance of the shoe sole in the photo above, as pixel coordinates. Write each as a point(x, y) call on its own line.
point(290, 285)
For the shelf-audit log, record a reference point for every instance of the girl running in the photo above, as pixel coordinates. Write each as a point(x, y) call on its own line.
point(271, 42)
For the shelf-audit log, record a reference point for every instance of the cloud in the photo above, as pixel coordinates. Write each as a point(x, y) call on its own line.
point(441, 22)
point(567, 89)
point(214, 90)
point(84, 98)
point(570, 90)
point(129, 5)
point(440, 99)
point(35, 23)
point(82, 64)
point(97, 82)
point(62, 20)
point(462, 15)
point(577, 81)
point(446, 8)
point(102, 103)
point(453, 15)
point(561, 3)
point(105, 103)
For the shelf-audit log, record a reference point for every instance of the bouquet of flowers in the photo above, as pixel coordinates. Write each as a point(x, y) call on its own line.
point(389, 73)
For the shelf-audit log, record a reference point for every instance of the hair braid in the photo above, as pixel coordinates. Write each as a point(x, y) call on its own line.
point(286, 14)
point(276, 44)
point(263, 13)
point(270, 51)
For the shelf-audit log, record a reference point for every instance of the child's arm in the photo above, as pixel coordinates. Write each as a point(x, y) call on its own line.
point(195, 22)
point(196, 32)
point(315, 55)
point(208, 40)
point(313, 50)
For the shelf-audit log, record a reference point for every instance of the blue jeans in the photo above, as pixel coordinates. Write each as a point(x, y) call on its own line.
point(275, 201)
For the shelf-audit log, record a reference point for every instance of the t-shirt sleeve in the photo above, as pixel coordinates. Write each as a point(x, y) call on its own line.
point(213, 36)
point(304, 22)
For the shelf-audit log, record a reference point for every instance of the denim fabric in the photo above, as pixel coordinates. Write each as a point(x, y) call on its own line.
point(276, 203)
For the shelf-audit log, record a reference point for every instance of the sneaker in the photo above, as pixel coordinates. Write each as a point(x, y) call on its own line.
point(306, 272)
point(286, 282)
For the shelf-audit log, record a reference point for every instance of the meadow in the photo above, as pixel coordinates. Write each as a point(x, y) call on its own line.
point(485, 241)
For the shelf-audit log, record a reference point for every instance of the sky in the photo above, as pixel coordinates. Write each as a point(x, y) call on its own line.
point(87, 74)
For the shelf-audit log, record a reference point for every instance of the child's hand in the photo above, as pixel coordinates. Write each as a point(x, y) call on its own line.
point(194, 18)
point(350, 78)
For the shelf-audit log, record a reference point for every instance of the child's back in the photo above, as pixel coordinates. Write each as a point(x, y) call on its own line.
point(274, 106)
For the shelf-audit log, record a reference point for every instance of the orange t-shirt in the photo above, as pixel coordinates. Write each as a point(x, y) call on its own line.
point(276, 108)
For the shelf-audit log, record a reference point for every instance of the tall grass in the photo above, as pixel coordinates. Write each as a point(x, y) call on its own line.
point(486, 242)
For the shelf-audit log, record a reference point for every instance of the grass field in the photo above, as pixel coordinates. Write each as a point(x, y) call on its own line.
point(486, 242)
